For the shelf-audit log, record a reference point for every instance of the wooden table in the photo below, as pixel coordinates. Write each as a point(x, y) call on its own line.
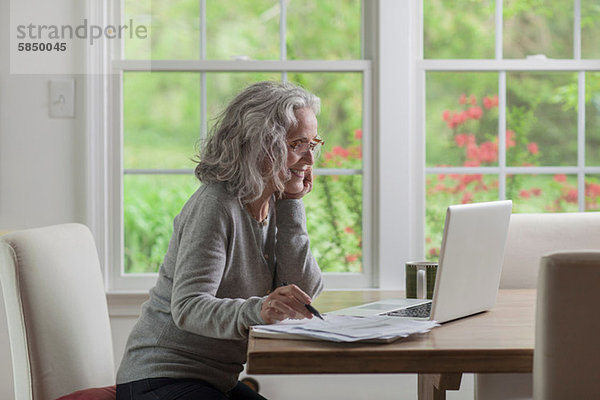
point(500, 340)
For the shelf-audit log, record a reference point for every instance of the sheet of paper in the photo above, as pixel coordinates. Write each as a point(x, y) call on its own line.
point(345, 328)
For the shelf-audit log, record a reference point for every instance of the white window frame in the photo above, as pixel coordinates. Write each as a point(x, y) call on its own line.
point(502, 66)
point(105, 169)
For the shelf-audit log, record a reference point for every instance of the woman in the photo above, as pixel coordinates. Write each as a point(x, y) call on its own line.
point(239, 254)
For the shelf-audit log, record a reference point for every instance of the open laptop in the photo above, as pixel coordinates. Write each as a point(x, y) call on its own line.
point(469, 269)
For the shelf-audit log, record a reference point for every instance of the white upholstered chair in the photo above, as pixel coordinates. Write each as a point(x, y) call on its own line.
point(57, 315)
point(566, 361)
point(531, 236)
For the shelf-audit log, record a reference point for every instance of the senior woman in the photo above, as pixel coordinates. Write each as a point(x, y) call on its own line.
point(239, 254)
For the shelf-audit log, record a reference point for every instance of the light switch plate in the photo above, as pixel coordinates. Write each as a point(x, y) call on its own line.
point(62, 98)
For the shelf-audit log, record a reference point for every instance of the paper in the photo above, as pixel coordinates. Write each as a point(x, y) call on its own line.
point(345, 328)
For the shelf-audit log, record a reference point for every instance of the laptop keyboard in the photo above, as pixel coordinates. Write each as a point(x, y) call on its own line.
point(418, 311)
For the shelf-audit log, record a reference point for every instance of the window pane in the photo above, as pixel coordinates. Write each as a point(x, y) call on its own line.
point(443, 190)
point(592, 118)
point(459, 29)
point(323, 29)
point(161, 119)
point(242, 29)
point(139, 13)
point(222, 87)
point(590, 28)
point(334, 221)
point(592, 193)
point(462, 119)
point(340, 121)
point(150, 204)
point(173, 29)
point(538, 27)
point(541, 119)
point(542, 193)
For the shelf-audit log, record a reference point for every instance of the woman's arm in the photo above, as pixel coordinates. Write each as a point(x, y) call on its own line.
point(204, 235)
point(295, 263)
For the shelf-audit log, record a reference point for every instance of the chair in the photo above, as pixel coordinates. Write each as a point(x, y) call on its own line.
point(530, 236)
point(58, 323)
point(566, 360)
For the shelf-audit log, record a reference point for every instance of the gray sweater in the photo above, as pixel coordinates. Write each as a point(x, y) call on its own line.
point(218, 269)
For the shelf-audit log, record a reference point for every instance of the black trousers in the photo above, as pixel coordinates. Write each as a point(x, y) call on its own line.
point(181, 389)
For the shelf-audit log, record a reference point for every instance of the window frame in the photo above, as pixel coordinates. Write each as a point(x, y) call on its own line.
point(105, 169)
point(502, 66)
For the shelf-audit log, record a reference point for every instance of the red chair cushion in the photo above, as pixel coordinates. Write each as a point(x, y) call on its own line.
point(103, 393)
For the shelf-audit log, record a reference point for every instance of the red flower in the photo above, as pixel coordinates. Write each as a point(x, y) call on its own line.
point(471, 163)
point(561, 178)
point(348, 229)
point(446, 115)
point(467, 198)
point(473, 152)
point(510, 138)
point(490, 102)
point(533, 148)
point(340, 151)
point(593, 190)
point(536, 192)
point(524, 194)
point(571, 196)
point(463, 139)
point(439, 188)
point(433, 252)
point(358, 134)
point(475, 112)
point(473, 100)
point(463, 99)
point(487, 103)
point(488, 152)
point(351, 257)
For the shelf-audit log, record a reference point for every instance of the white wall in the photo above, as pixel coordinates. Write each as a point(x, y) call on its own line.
point(42, 182)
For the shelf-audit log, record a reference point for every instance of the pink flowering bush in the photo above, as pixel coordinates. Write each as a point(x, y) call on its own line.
point(334, 208)
point(468, 127)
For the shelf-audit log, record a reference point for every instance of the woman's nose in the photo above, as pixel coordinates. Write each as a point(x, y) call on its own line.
point(309, 157)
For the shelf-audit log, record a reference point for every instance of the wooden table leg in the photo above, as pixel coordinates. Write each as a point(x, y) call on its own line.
point(434, 386)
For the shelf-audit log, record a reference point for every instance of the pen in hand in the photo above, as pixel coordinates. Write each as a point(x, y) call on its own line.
point(310, 308)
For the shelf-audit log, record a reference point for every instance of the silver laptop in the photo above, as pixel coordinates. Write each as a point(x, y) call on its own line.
point(469, 269)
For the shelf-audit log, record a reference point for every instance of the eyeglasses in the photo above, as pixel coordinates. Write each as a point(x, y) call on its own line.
point(302, 148)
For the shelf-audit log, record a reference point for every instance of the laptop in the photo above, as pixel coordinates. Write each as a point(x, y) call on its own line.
point(469, 270)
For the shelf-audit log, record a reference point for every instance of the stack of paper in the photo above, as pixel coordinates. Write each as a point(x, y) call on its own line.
point(345, 328)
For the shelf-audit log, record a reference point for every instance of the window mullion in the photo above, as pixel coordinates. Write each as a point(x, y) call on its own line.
point(499, 32)
point(581, 139)
point(577, 29)
point(282, 35)
point(580, 106)
point(502, 134)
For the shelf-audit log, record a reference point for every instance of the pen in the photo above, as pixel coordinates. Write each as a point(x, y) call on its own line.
point(310, 308)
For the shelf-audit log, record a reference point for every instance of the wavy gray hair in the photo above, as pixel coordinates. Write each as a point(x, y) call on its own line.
point(247, 147)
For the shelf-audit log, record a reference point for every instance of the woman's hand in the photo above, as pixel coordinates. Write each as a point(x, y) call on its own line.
point(285, 302)
point(308, 184)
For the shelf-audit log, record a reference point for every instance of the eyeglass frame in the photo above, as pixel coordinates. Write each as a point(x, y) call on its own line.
point(309, 146)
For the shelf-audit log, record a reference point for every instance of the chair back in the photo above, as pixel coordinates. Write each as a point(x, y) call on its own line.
point(566, 360)
point(56, 309)
point(530, 236)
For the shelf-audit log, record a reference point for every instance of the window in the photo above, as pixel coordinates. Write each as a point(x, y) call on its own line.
point(165, 91)
point(511, 106)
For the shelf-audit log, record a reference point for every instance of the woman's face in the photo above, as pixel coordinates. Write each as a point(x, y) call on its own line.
point(298, 164)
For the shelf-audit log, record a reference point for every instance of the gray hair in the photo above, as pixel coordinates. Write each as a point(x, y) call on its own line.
point(247, 147)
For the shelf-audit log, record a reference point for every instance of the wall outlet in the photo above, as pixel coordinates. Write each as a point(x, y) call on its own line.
point(62, 98)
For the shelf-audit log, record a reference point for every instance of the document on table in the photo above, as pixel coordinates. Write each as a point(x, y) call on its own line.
point(345, 328)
